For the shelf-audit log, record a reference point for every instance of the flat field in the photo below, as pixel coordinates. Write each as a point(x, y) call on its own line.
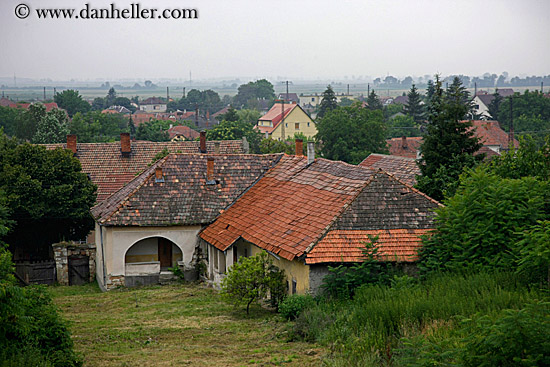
point(175, 325)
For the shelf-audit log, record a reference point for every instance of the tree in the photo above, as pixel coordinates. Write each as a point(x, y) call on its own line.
point(48, 196)
point(153, 130)
point(110, 98)
point(95, 127)
point(248, 94)
point(413, 107)
point(28, 120)
point(479, 226)
point(351, 133)
point(131, 127)
point(251, 279)
point(494, 106)
point(249, 116)
point(373, 102)
point(52, 128)
point(230, 115)
point(328, 102)
point(235, 130)
point(402, 126)
point(8, 119)
point(71, 101)
point(449, 144)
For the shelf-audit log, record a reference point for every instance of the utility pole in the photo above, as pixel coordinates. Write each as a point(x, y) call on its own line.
point(283, 119)
point(44, 94)
point(167, 94)
point(183, 92)
point(368, 89)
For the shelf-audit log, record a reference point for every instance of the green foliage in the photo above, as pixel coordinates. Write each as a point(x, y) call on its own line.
point(250, 116)
point(494, 106)
point(294, 304)
point(71, 101)
point(8, 119)
point(328, 102)
point(414, 108)
point(153, 130)
point(230, 115)
point(163, 153)
point(479, 226)
point(30, 329)
point(251, 279)
point(373, 102)
point(52, 128)
point(270, 146)
point(346, 102)
point(47, 196)
point(350, 134)
point(249, 94)
point(235, 130)
point(206, 101)
point(97, 127)
point(449, 145)
point(534, 248)
point(402, 126)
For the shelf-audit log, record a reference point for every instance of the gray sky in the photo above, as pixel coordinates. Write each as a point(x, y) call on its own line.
point(302, 39)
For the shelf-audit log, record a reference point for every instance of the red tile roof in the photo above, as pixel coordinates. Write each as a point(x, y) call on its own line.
point(295, 204)
point(490, 133)
point(5, 102)
point(183, 197)
point(49, 106)
point(404, 147)
point(348, 245)
point(275, 115)
point(109, 170)
point(403, 168)
point(185, 131)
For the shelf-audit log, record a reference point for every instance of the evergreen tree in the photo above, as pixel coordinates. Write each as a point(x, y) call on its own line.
point(373, 102)
point(413, 108)
point(110, 98)
point(131, 127)
point(430, 90)
point(328, 102)
point(494, 106)
point(449, 144)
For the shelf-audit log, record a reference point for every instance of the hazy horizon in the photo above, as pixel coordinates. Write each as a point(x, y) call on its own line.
point(302, 40)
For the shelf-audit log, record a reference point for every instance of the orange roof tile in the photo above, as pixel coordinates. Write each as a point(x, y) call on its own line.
point(490, 133)
point(403, 168)
point(348, 245)
point(404, 147)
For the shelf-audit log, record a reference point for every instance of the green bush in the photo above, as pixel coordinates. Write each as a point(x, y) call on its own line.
point(293, 305)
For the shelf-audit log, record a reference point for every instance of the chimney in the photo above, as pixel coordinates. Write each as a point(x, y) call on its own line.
point(71, 142)
point(217, 147)
point(202, 145)
point(310, 152)
point(125, 144)
point(299, 147)
point(404, 142)
point(158, 175)
point(210, 171)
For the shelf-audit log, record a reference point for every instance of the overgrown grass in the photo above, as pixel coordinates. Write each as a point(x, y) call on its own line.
point(175, 325)
point(366, 330)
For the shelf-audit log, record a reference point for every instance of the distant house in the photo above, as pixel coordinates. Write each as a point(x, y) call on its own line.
point(179, 133)
point(405, 147)
point(112, 165)
point(311, 214)
point(296, 120)
point(290, 97)
point(151, 224)
point(313, 100)
point(5, 102)
point(483, 99)
point(402, 168)
point(117, 109)
point(25, 106)
point(153, 104)
point(401, 100)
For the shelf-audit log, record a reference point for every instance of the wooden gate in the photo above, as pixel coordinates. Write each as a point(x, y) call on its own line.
point(36, 272)
point(79, 269)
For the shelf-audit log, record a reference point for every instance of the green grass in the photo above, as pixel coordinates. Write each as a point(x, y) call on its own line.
point(173, 326)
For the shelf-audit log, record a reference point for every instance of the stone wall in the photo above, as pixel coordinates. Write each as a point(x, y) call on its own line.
point(62, 251)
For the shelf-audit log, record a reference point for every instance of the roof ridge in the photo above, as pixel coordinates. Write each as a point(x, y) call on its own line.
point(380, 170)
point(150, 173)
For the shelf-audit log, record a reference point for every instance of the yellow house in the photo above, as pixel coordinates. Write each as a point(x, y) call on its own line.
point(285, 120)
point(311, 213)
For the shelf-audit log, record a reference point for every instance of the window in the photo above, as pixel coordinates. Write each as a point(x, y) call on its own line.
point(294, 284)
point(312, 99)
point(296, 126)
point(308, 124)
point(245, 252)
point(286, 124)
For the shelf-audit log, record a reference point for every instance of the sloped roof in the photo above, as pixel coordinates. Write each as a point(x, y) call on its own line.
point(295, 204)
point(49, 106)
point(184, 197)
point(152, 100)
point(486, 99)
point(275, 115)
point(5, 102)
point(403, 168)
point(109, 170)
point(490, 133)
point(186, 131)
point(404, 148)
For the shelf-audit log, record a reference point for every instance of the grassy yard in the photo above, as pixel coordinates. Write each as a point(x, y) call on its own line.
point(174, 326)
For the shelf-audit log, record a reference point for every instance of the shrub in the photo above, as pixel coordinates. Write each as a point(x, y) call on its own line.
point(293, 305)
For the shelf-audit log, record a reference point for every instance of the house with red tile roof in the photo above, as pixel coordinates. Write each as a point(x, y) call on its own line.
point(402, 168)
point(309, 214)
point(112, 165)
point(25, 106)
point(152, 222)
point(5, 102)
point(284, 120)
point(182, 132)
point(405, 147)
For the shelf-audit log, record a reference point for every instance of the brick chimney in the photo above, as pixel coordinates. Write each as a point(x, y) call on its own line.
point(202, 146)
point(310, 152)
point(71, 142)
point(125, 144)
point(299, 147)
point(158, 175)
point(217, 147)
point(210, 171)
point(404, 144)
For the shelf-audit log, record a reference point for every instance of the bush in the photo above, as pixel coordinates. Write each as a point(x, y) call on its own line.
point(293, 305)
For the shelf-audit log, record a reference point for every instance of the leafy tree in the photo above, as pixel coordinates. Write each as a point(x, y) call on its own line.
point(71, 101)
point(95, 127)
point(131, 127)
point(235, 130)
point(249, 116)
point(230, 115)
point(206, 101)
point(153, 130)
point(479, 226)
point(351, 133)
point(52, 128)
point(110, 98)
point(288, 146)
point(251, 279)
point(413, 107)
point(8, 119)
point(328, 102)
point(28, 120)
point(98, 104)
point(449, 144)
point(534, 248)
point(248, 94)
point(494, 106)
point(346, 102)
point(402, 126)
point(373, 102)
point(125, 102)
point(48, 196)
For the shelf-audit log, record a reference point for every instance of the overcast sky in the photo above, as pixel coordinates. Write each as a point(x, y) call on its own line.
point(301, 39)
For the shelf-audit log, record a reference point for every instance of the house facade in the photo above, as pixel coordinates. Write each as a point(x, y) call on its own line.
point(153, 104)
point(284, 120)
